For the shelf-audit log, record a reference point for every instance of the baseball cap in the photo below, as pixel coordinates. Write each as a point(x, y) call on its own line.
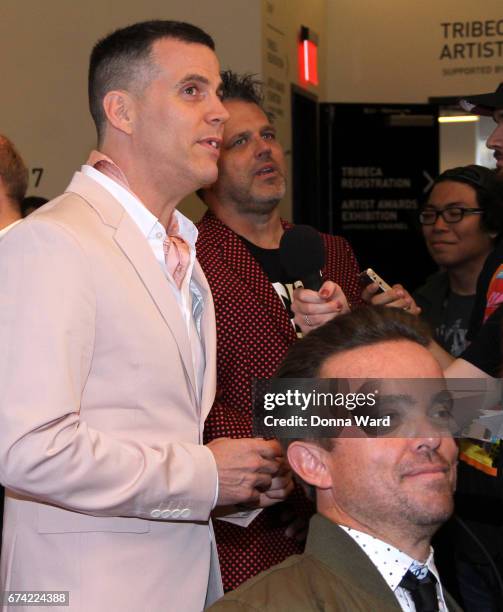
point(476, 176)
point(483, 104)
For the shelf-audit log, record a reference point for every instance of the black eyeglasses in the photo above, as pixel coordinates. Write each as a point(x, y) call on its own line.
point(454, 214)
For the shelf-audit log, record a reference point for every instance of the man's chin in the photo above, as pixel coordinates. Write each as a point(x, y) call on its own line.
point(434, 511)
point(263, 207)
point(208, 177)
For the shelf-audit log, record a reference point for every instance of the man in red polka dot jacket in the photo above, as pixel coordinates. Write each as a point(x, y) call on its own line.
point(258, 314)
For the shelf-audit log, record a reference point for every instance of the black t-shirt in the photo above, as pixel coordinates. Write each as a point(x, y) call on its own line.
point(451, 332)
point(269, 261)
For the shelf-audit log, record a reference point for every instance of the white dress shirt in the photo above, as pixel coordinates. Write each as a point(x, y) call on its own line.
point(188, 297)
point(393, 564)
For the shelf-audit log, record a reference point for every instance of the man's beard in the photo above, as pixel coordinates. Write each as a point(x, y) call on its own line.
point(249, 203)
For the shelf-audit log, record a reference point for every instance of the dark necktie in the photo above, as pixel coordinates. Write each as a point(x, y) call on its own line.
point(423, 591)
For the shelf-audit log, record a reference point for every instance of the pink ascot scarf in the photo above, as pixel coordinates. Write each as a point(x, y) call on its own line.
point(176, 249)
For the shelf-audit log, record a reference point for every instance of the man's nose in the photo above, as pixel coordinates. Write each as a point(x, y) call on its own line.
point(217, 114)
point(440, 224)
point(263, 148)
point(495, 139)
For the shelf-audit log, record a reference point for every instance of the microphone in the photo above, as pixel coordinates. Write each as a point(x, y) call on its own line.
point(302, 255)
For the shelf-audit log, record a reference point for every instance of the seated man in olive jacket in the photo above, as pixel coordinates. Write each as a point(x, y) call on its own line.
point(379, 500)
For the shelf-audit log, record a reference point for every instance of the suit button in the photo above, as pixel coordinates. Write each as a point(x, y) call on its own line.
point(166, 514)
point(185, 513)
point(155, 513)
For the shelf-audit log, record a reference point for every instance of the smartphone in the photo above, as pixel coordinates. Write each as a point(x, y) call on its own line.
point(369, 276)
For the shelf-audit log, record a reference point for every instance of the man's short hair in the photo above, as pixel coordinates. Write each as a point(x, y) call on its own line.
point(122, 60)
point(488, 187)
point(243, 87)
point(364, 326)
point(13, 172)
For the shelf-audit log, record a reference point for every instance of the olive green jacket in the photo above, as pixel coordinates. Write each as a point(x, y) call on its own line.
point(333, 575)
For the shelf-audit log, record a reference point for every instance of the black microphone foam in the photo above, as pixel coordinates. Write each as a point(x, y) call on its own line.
point(302, 255)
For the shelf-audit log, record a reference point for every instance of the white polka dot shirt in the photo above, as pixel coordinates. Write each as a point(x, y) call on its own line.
point(393, 564)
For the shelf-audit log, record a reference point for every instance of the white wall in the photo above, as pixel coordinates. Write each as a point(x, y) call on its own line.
point(372, 51)
point(389, 50)
point(457, 144)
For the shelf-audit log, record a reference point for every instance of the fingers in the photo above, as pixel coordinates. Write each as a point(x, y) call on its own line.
point(246, 468)
point(369, 292)
point(315, 308)
point(328, 292)
point(261, 482)
point(268, 449)
point(281, 487)
point(396, 297)
point(281, 483)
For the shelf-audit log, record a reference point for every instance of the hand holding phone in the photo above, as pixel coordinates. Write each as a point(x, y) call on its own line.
point(368, 276)
point(396, 296)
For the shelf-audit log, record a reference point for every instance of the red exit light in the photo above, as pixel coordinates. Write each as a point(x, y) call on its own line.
point(308, 57)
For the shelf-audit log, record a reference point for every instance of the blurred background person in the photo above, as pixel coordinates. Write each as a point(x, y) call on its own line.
point(461, 221)
point(13, 185)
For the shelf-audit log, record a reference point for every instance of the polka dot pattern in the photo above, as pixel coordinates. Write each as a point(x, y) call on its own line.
point(253, 334)
point(393, 564)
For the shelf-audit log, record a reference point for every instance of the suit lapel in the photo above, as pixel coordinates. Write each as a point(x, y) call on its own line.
point(142, 259)
point(136, 248)
point(209, 342)
point(336, 549)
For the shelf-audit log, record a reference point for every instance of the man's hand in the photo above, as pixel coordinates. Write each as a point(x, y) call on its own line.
point(281, 487)
point(396, 297)
point(246, 468)
point(315, 308)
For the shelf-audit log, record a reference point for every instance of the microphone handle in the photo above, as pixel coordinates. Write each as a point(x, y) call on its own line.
point(312, 280)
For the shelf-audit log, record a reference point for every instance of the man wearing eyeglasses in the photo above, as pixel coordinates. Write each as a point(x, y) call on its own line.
point(461, 220)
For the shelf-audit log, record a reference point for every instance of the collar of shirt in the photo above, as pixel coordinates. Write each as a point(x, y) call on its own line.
point(189, 297)
point(391, 562)
point(7, 228)
point(147, 222)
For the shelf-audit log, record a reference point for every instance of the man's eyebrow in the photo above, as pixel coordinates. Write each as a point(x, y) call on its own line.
point(396, 398)
point(238, 135)
point(268, 127)
point(443, 206)
point(199, 78)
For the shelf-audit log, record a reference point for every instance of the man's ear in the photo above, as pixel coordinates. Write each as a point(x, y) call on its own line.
point(310, 462)
point(120, 110)
point(4, 198)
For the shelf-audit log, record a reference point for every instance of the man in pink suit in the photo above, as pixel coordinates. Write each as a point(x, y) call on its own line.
point(107, 367)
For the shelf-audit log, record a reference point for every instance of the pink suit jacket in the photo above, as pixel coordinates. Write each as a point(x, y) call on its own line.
point(109, 489)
